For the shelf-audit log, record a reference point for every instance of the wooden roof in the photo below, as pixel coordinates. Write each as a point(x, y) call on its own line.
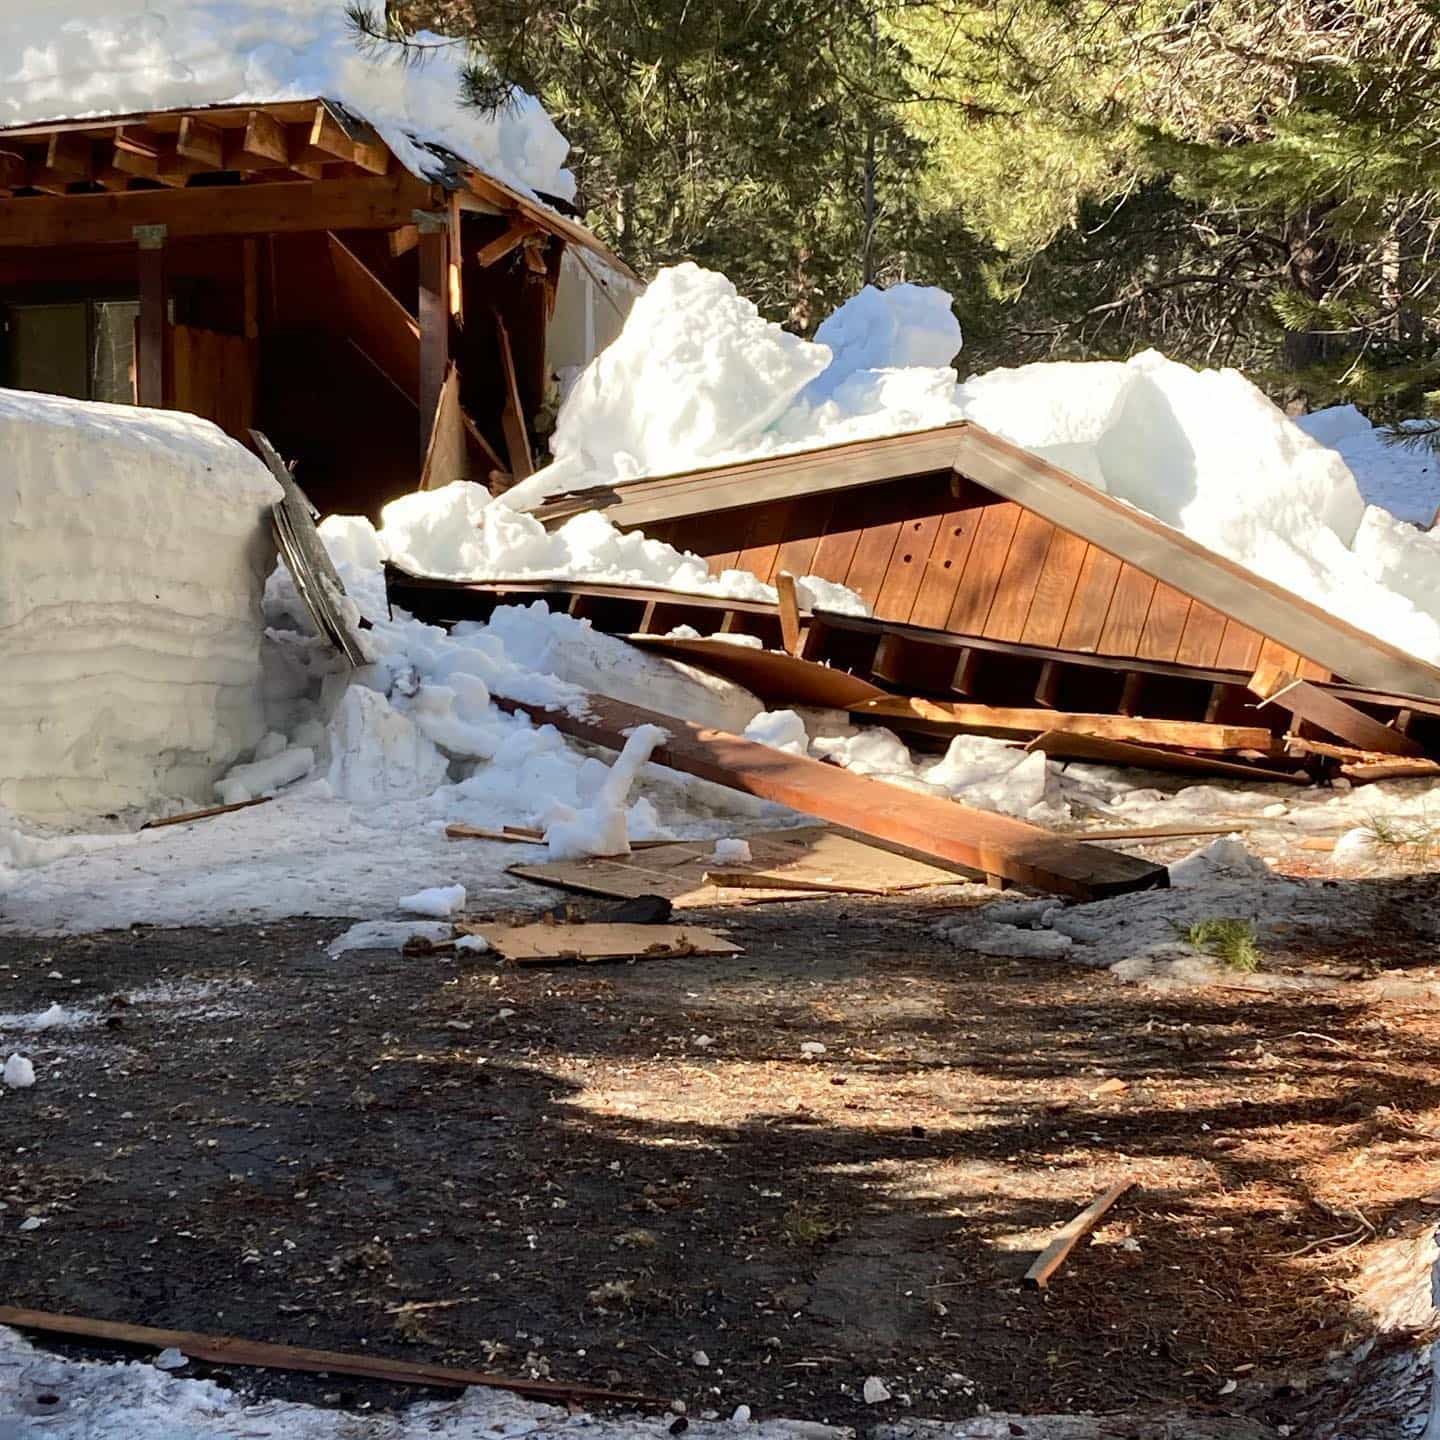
point(287, 165)
point(973, 456)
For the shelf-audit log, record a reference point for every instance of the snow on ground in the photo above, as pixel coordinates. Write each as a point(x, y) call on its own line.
point(1402, 479)
point(132, 557)
point(720, 384)
point(75, 59)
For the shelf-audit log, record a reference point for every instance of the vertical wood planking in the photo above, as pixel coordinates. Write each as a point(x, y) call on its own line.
point(907, 567)
point(803, 534)
point(1165, 624)
point(1090, 604)
point(1239, 647)
point(1129, 607)
point(1018, 580)
point(983, 568)
point(945, 565)
point(717, 537)
point(837, 546)
point(762, 541)
point(1055, 589)
point(1200, 641)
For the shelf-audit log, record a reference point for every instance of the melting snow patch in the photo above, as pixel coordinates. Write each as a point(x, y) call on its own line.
point(19, 1073)
point(387, 935)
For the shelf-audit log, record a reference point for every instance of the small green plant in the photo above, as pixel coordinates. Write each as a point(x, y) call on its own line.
point(1416, 840)
point(1230, 941)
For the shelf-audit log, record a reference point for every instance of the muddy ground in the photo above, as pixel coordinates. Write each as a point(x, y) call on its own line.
point(596, 1173)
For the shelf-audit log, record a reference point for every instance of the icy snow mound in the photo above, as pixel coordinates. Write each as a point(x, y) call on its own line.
point(133, 552)
point(697, 377)
point(727, 374)
point(1403, 480)
point(73, 59)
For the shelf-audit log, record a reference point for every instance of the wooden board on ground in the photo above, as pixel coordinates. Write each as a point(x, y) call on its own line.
point(1309, 703)
point(233, 1350)
point(543, 944)
point(1060, 746)
point(814, 860)
point(1054, 1255)
point(1003, 721)
point(929, 826)
point(770, 675)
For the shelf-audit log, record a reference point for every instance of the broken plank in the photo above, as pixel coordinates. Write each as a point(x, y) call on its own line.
point(1062, 746)
point(939, 830)
point(1165, 832)
point(233, 1350)
point(784, 864)
point(203, 814)
point(1054, 1255)
point(1364, 772)
point(587, 944)
point(1335, 716)
point(769, 675)
point(1003, 721)
point(512, 414)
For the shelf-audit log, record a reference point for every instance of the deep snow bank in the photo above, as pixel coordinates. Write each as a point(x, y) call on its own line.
point(1403, 479)
point(133, 552)
point(1203, 451)
point(72, 59)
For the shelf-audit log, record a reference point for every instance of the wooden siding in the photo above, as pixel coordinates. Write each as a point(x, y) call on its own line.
point(954, 556)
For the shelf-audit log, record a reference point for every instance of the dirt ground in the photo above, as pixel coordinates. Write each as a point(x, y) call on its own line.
point(597, 1174)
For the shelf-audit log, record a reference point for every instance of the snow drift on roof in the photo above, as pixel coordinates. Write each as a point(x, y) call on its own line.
point(78, 59)
point(1203, 451)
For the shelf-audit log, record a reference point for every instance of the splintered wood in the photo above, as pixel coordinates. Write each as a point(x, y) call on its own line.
point(543, 944)
point(814, 860)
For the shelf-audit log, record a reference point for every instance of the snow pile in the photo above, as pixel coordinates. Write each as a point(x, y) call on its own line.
point(600, 828)
point(697, 377)
point(1399, 478)
point(133, 552)
point(439, 901)
point(74, 59)
point(460, 533)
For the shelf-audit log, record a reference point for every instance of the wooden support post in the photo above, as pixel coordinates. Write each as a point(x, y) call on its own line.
point(434, 228)
point(789, 612)
point(1047, 686)
point(962, 682)
point(512, 417)
point(150, 361)
point(1130, 693)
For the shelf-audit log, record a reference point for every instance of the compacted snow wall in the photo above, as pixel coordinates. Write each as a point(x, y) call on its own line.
point(133, 551)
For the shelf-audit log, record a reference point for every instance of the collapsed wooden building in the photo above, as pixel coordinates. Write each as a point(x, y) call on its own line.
point(276, 266)
point(1009, 598)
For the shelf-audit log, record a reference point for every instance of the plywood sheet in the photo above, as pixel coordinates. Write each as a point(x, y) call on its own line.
point(542, 944)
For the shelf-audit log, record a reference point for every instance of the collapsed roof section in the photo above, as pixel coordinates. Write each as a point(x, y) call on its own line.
point(955, 529)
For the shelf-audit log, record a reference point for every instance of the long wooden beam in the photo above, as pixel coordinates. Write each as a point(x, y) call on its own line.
point(936, 829)
point(366, 203)
point(235, 1350)
point(1098, 751)
point(1007, 721)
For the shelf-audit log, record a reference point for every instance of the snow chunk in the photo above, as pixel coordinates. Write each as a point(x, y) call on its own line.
point(73, 59)
point(732, 852)
point(472, 944)
point(1402, 479)
point(19, 1073)
point(377, 753)
point(780, 730)
point(438, 900)
point(600, 828)
point(263, 775)
point(1225, 856)
point(904, 327)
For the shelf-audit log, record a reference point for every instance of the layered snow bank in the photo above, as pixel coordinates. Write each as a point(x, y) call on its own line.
point(1399, 478)
point(73, 59)
point(133, 551)
point(697, 377)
